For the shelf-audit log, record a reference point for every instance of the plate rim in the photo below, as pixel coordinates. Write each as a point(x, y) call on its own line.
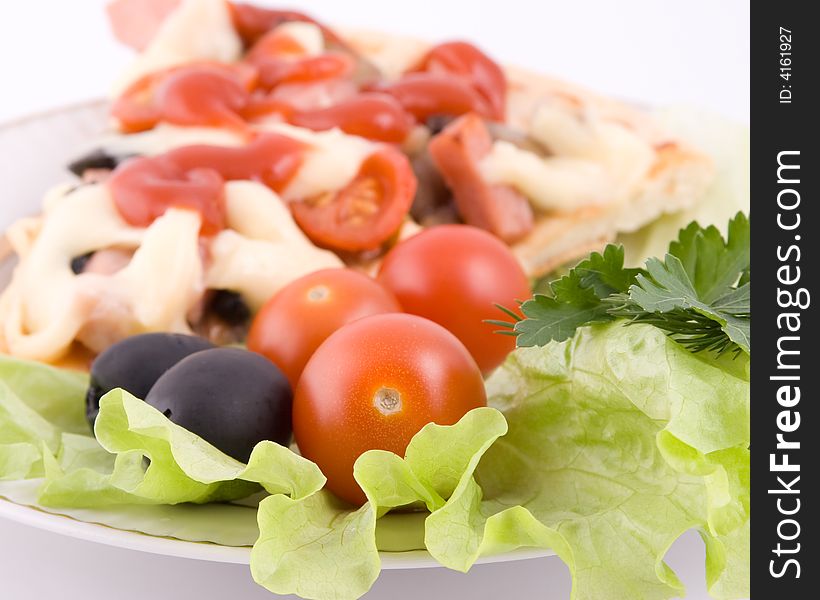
point(139, 541)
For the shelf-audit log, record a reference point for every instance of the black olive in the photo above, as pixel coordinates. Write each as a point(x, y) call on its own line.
point(135, 363)
point(78, 263)
point(229, 307)
point(432, 193)
point(229, 397)
point(437, 123)
point(96, 159)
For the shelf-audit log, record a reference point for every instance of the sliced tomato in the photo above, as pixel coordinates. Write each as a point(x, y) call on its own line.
point(368, 211)
point(373, 116)
point(425, 95)
point(499, 209)
point(465, 61)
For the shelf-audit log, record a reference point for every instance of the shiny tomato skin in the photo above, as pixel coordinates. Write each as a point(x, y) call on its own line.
point(373, 385)
point(455, 275)
point(368, 211)
point(295, 321)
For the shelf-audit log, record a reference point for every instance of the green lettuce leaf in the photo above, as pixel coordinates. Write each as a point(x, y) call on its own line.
point(619, 441)
point(37, 404)
point(180, 466)
point(317, 547)
point(604, 448)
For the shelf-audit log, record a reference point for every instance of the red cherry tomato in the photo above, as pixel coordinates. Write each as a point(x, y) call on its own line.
point(455, 275)
point(364, 214)
point(373, 385)
point(295, 321)
point(457, 152)
point(465, 61)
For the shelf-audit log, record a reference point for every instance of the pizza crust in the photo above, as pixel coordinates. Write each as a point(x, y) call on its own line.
point(677, 179)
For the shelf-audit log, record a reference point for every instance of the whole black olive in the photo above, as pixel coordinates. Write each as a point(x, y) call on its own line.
point(231, 398)
point(136, 363)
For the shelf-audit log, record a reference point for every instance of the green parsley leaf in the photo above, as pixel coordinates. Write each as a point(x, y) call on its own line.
point(700, 274)
point(576, 299)
point(699, 293)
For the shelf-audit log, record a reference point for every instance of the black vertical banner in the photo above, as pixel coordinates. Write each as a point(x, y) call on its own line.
point(785, 419)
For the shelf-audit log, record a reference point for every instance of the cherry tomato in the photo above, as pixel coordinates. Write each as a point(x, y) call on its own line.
point(295, 321)
point(457, 152)
point(365, 213)
point(465, 61)
point(373, 385)
point(455, 275)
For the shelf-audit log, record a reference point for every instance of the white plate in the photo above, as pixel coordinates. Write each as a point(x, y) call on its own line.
point(34, 153)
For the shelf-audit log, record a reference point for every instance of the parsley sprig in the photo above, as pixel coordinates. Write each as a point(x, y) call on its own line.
point(699, 293)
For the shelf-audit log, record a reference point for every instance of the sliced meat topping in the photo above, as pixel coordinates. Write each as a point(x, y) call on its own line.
point(499, 209)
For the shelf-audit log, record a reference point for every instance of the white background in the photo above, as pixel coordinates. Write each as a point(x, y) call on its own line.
point(658, 52)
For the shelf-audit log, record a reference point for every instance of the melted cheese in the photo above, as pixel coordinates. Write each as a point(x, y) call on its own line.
point(264, 249)
point(165, 137)
point(332, 161)
point(593, 161)
point(46, 306)
point(307, 35)
point(197, 30)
